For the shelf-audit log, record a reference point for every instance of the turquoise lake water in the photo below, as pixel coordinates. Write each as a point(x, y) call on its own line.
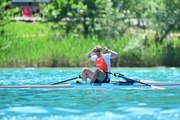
point(87, 104)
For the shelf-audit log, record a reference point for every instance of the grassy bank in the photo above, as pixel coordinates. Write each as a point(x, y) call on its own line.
point(33, 44)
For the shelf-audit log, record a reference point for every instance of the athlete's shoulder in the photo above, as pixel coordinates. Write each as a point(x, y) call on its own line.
point(107, 55)
point(93, 57)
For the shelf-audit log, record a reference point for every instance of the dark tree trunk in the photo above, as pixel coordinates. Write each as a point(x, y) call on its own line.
point(171, 26)
point(85, 26)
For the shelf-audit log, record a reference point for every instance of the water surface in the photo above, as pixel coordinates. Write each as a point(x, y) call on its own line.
point(87, 104)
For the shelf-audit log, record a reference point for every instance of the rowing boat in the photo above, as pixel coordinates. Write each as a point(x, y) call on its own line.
point(97, 85)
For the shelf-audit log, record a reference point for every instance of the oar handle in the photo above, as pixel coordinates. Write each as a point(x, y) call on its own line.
point(116, 74)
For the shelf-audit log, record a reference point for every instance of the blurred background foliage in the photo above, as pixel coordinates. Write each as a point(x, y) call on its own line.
point(113, 18)
point(144, 33)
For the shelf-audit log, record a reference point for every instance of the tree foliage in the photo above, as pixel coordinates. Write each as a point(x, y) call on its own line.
point(6, 15)
point(112, 18)
point(171, 17)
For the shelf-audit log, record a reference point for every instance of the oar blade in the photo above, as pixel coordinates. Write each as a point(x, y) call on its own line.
point(157, 87)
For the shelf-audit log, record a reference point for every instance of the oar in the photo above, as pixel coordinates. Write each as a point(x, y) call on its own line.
point(132, 80)
point(79, 76)
point(152, 81)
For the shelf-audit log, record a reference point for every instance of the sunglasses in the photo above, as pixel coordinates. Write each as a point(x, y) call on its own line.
point(97, 51)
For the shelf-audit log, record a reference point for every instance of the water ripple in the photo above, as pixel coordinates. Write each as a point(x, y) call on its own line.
point(87, 104)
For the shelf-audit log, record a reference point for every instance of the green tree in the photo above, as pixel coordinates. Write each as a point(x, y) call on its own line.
point(167, 17)
point(108, 18)
point(6, 15)
point(73, 15)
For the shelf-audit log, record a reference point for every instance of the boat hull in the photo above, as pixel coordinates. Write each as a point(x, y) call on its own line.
point(96, 86)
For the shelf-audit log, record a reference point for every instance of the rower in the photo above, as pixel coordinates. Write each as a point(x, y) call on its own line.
point(102, 62)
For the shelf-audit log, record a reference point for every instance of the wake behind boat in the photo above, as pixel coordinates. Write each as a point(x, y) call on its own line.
point(97, 85)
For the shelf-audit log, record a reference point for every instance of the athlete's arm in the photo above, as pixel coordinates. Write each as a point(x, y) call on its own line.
point(90, 54)
point(113, 53)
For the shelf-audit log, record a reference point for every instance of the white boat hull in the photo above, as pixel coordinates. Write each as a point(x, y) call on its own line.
point(96, 86)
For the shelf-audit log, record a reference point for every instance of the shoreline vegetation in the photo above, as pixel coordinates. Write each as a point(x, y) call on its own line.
point(36, 45)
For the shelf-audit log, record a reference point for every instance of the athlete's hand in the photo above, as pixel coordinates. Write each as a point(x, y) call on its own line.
point(94, 50)
point(106, 49)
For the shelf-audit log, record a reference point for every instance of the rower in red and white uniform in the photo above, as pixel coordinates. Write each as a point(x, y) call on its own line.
point(103, 65)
